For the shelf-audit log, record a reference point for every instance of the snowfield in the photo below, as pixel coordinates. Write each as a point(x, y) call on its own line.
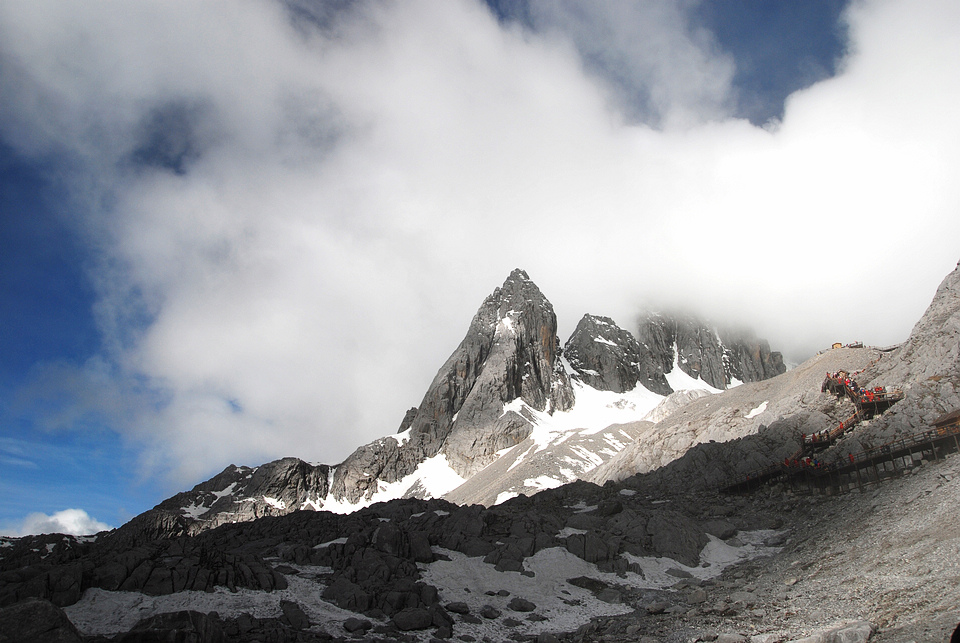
point(566, 606)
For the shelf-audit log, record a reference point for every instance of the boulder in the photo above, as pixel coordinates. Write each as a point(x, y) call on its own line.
point(186, 626)
point(458, 607)
point(675, 536)
point(415, 618)
point(857, 632)
point(294, 616)
point(591, 547)
point(354, 625)
point(35, 620)
point(518, 604)
point(722, 529)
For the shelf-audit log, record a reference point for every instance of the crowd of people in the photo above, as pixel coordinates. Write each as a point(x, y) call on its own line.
point(862, 395)
point(803, 463)
point(819, 437)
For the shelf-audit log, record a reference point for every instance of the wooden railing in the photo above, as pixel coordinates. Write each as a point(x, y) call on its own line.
point(892, 450)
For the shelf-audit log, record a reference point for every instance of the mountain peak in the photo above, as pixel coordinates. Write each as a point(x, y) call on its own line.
point(510, 352)
point(609, 358)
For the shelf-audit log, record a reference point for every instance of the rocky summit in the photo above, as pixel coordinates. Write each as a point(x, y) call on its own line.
point(508, 413)
point(816, 505)
point(610, 358)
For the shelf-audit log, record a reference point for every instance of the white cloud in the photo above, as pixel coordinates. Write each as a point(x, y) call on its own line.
point(76, 522)
point(351, 194)
point(660, 68)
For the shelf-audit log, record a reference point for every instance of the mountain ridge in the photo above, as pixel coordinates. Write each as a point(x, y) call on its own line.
point(507, 379)
point(654, 553)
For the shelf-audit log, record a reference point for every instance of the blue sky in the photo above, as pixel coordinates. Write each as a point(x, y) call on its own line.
point(231, 237)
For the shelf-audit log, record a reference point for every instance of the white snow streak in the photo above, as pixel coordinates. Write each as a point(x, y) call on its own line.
point(757, 411)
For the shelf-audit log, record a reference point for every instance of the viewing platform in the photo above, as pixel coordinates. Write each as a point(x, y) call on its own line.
point(859, 470)
point(805, 465)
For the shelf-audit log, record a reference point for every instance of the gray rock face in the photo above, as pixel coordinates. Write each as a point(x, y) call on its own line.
point(237, 494)
point(510, 351)
point(609, 358)
point(926, 367)
point(36, 620)
point(748, 358)
point(933, 348)
point(715, 356)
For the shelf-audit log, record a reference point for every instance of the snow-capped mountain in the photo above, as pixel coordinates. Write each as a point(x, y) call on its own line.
point(658, 529)
point(508, 413)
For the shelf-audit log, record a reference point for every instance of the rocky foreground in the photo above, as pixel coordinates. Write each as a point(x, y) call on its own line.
point(578, 563)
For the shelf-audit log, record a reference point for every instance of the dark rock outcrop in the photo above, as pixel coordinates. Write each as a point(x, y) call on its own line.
point(184, 626)
point(609, 358)
point(748, 358)
point(510, 351)
point(36, 620)
point(701, 351)
point(236, 494)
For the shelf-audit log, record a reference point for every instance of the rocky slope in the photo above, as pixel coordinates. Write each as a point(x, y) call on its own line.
point(621, 562)
point(772, 414)
point(236, 494)
point(768, 417)
point(656, 556)
point(505, 381)
point(610, 358)
point(511, 351)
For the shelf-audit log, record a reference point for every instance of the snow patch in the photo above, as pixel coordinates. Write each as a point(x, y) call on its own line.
point(467, 579)
point(194, 510)
point(103, 613)
point(434, 476)
point(757, 411)
point(336, 541)
point(542, 482)
point(570, 531)
point(680, 381)
point(402, 437)
point(716, 556)
point(592, 412)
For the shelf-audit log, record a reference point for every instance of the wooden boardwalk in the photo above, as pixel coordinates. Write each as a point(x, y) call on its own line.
point(804, 471)
point(861, 469)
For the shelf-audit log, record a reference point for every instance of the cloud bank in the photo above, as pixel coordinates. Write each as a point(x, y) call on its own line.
point(75, 522)
point(292, 216)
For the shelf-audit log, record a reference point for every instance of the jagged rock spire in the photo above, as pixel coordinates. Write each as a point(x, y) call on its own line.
point(609, 358)
point(510, 352)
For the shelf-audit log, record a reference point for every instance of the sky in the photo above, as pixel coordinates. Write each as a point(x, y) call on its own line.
point(237, 231)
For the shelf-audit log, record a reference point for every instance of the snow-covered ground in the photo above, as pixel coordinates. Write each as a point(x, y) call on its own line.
point(434, 477)
point(566, 445)
point(595, 413)
point(104, 613)
point(565, 606)
point(461, 578)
